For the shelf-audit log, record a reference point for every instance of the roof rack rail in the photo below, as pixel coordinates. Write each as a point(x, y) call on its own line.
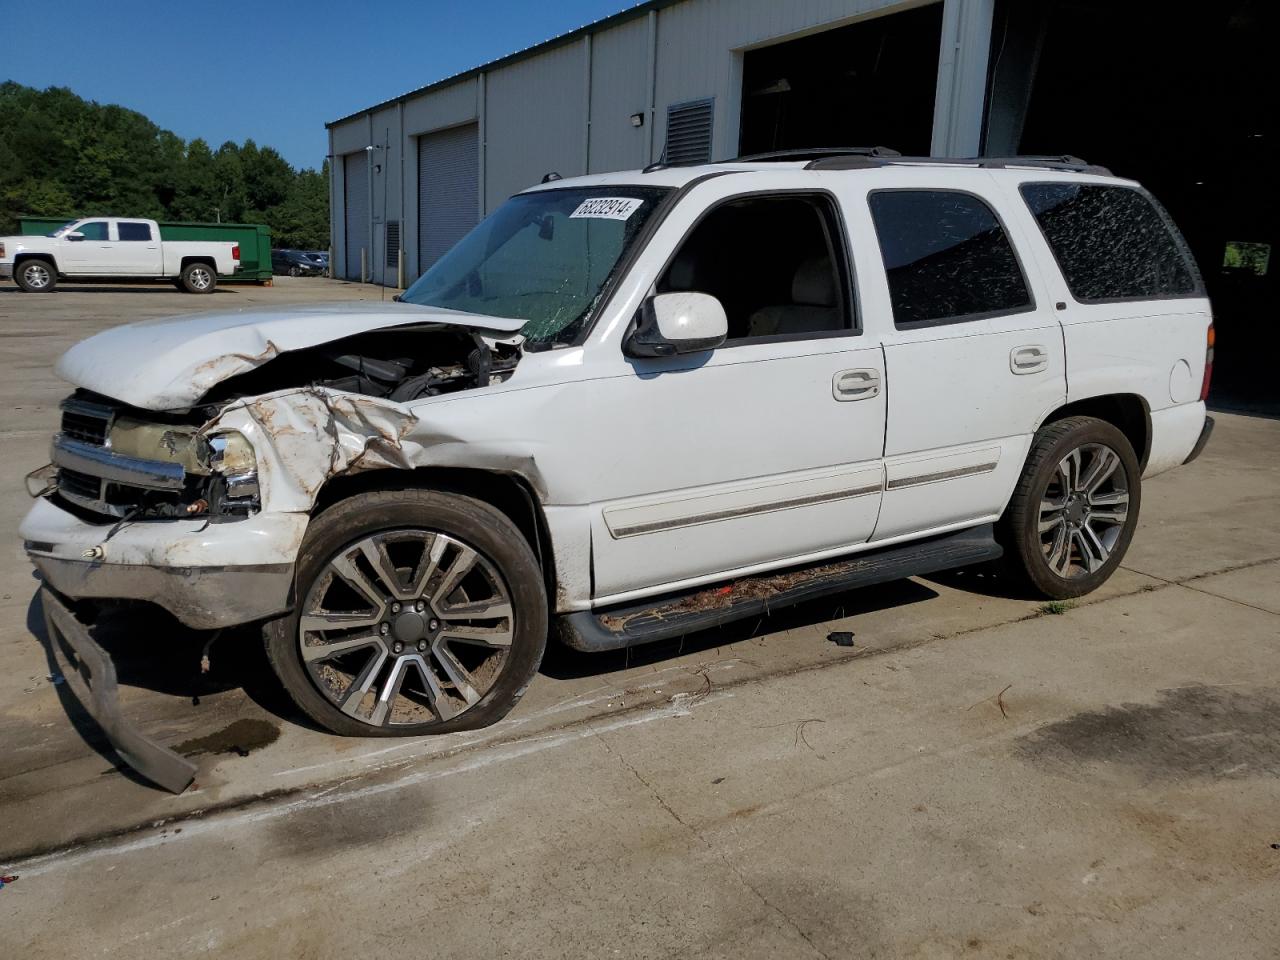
point(815, 154)
point(867, 161)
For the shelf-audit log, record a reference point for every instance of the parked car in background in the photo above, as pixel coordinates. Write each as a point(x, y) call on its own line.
point(623, 407)
point(321, 257)
point(298, 263)
point(114, 247)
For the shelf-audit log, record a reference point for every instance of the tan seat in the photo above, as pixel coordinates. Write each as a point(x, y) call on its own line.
point(813, 307)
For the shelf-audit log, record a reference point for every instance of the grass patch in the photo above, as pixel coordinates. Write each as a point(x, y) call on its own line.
point(1056, 608)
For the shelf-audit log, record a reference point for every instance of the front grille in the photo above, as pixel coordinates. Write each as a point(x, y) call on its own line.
point(86, 420)
point(79, 484)
point(87, 429)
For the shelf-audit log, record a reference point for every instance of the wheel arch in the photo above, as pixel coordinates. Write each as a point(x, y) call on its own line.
point(1127, 412)
point(198, 258)
point(23, 256)
point(510, 493)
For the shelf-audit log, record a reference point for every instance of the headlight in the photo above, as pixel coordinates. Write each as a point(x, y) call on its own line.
point(231, 457)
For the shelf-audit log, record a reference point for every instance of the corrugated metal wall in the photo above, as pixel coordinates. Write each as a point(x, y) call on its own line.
point(355, 206)
point(534, 121)
point(568, 108)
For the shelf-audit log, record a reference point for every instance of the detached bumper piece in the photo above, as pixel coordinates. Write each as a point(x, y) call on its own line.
point(91, 676)
point(675, 615)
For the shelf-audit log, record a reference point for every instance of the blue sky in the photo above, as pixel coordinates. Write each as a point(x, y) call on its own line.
point(270, 71)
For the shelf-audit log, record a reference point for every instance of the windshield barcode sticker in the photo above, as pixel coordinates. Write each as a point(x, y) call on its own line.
point(607, 208)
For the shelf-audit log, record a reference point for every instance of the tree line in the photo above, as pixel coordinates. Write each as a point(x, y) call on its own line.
point(63, 155)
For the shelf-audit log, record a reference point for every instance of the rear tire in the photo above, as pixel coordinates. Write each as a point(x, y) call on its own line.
point(36, 276)
point(398, 630)
point(198, 278)
point(1073, 513)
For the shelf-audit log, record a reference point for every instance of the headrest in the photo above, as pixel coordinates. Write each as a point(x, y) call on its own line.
point(814, 285)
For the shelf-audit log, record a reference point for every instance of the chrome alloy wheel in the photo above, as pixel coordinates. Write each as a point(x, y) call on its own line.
point(36, 275)
point(200, 278)
point(1083, 511)
point(406, 627)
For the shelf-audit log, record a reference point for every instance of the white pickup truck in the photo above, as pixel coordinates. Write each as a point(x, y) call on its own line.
point(116, 247)
point(631, 406)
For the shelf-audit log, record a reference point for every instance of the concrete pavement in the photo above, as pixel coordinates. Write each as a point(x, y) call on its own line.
point(975, 778)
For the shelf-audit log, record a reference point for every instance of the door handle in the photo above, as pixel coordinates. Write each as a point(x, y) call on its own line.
point(856, 384)
point(1029, 359)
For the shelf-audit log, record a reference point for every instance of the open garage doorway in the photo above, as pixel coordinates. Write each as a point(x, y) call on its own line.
point(865, 84)
point(1185, 98)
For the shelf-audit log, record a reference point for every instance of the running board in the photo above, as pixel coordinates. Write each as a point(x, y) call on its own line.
point(674, 615)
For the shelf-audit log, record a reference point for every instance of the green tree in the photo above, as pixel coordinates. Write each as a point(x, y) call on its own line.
point(61, 155)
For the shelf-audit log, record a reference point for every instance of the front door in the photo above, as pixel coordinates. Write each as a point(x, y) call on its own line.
point(91, 255)
point(764, 451)
point(973, 354)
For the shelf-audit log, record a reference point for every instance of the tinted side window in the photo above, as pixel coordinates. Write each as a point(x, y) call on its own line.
point(1112, 243)
point(134, 231)
point(946, 256)
point(93, 230)
point(776, 263)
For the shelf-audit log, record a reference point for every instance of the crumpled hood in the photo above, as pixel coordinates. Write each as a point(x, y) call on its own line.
point(170, 363)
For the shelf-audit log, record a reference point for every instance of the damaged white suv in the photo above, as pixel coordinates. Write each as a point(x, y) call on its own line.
point(633, 406)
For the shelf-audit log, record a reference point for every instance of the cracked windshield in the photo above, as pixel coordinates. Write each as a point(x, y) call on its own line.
point(542, 257)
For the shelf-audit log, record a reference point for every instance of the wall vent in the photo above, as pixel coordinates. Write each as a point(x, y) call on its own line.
point(393, 243)
point(689, 132)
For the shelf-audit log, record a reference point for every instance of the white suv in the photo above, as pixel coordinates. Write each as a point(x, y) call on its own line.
point(636, 404)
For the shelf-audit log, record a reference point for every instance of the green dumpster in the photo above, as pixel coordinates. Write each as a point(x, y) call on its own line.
point(254, 240)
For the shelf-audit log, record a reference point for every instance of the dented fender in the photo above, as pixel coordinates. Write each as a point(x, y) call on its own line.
point(304, 438)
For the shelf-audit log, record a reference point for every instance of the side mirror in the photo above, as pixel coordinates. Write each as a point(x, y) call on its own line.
point(675, 323)
point(75, 235)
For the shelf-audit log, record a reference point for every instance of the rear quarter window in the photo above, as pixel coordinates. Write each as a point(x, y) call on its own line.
point(1112, 242)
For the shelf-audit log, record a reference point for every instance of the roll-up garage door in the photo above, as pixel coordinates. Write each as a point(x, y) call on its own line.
point(355, 204)
point(448, 190)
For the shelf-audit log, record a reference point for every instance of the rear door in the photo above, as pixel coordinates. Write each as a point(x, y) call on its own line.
point(137, 249)
point(973, 351)
point(1134, 312)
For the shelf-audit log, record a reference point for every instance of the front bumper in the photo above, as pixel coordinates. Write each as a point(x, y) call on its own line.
point(6, 271)
point(91, 676)
point(208, 575)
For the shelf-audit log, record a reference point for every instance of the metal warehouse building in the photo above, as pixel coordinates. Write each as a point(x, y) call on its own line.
point(1178, 95)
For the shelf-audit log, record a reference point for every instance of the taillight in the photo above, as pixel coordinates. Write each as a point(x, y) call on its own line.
point(235, 252)
point(1208, 363)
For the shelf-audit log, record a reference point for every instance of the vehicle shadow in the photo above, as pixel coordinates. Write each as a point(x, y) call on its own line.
point(992, 579)
point(564, 663)
point(152, 651)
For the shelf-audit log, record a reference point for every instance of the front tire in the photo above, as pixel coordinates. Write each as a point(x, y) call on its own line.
point(1073, 513)
point(198, 278)
point(36, 276)
point(418, 612)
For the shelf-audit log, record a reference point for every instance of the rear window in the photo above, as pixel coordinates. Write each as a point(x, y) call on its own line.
point(133, 231)
point(1112, 243)
point(946, 257)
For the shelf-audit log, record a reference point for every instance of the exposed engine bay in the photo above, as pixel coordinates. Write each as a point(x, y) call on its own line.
point(402, 364)
point(114, 463)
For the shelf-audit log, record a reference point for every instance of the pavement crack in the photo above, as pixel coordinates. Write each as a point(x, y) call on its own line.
point(710, 847)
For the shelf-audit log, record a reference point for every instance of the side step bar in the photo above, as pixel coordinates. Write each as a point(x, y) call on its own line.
point(674, 615)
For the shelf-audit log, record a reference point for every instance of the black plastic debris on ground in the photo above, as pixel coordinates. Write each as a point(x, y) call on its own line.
point(841, 638)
